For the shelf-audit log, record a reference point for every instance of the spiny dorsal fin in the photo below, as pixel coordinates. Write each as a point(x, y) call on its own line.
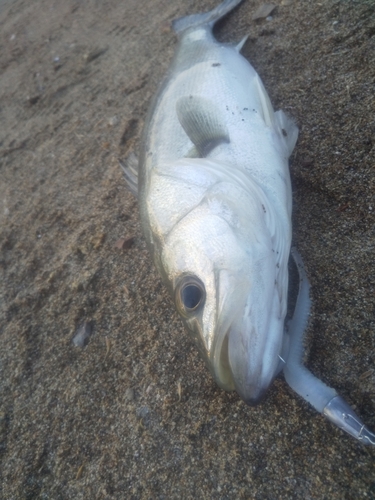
point(130, 169)
point(203, 123)
point(241, 43)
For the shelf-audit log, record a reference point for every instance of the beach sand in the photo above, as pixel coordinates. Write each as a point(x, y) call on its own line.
point(135, 414)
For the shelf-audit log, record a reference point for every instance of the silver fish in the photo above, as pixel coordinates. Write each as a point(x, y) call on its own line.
point(215, 203)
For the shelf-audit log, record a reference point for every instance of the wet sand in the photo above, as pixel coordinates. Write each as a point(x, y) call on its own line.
point(135, 414)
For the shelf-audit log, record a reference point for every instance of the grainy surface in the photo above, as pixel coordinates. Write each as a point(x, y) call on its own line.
point(134, 414)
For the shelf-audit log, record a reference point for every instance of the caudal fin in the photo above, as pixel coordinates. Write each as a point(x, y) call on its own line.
point(207, 18)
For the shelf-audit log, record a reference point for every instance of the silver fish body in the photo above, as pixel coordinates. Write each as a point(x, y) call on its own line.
point(215, 204)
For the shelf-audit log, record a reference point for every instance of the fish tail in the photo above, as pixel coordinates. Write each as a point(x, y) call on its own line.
point(207, 18)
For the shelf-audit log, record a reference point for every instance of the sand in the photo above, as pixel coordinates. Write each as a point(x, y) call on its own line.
point(134, 414)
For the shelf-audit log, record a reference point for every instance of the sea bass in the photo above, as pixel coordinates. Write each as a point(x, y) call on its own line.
point(215, 203)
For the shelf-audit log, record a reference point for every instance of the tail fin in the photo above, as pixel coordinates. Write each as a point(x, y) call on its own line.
point(207, 18)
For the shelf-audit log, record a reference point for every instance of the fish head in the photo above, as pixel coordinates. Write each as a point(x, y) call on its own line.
point(225, 281)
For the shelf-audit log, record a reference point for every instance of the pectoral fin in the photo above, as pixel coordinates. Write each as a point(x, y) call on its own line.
point(130, 169)
point(203, 123)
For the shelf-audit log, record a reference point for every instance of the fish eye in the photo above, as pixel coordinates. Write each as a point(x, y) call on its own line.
point(190, 295)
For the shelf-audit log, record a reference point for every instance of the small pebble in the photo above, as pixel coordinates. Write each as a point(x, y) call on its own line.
point(306, 161)
point(125, 243)
point(263, 11)
point(94, 54)
point(81, 338)
point(129, 394)
point(79, 472)
point(33, 99)
point(113, 121)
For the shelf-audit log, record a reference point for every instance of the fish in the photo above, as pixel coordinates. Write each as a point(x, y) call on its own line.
point(215, 203)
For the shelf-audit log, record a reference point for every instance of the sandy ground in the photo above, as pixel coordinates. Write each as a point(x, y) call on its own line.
point(135, 413)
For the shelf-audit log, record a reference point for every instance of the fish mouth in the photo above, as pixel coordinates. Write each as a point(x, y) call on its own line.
point(253, 400)
point(246, 362)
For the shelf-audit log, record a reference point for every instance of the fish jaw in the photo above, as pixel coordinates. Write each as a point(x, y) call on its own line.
point(249, 333)
point(254, 355)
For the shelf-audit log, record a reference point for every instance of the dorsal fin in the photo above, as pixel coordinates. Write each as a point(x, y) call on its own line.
point(241, 43)
point(203, 123)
